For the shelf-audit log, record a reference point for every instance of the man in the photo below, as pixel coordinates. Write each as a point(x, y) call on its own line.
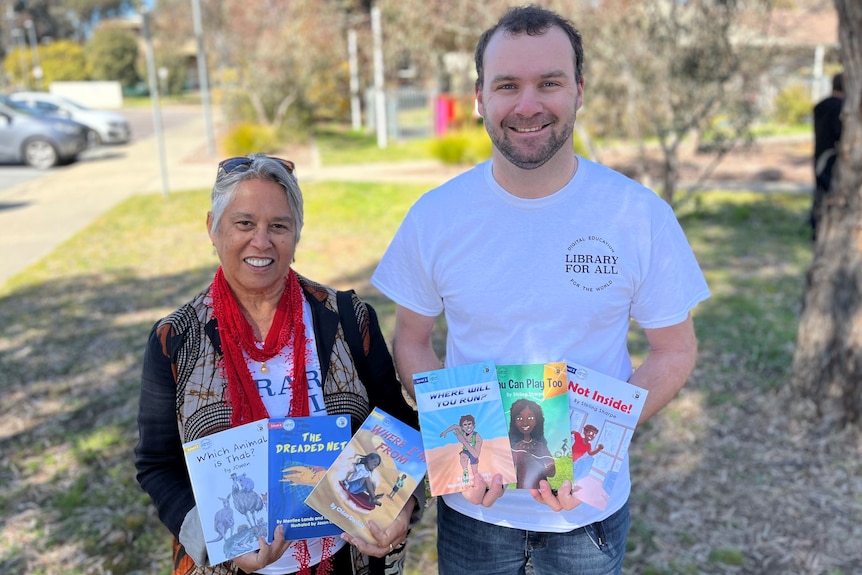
point(535, 256)
point(827, 133)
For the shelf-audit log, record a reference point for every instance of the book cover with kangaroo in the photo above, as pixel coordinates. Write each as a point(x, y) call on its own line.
point(228, 471)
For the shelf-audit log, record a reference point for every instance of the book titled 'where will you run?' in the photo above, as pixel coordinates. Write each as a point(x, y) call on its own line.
point(228, 471)
point(373, 476)
point(603, 414)
point(463, 427)
point(301, 449)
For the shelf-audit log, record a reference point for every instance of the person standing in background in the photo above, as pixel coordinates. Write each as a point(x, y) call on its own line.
point(827, 134)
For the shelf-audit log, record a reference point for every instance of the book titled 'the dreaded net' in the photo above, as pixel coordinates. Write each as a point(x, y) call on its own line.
point(463, 427)
point(373, 476)
point(301, 449)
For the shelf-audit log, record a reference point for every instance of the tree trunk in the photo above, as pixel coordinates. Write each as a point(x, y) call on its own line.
point(671, 172)
point(827, 365)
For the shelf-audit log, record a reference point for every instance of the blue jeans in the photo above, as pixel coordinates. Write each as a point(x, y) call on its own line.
point(465, 545)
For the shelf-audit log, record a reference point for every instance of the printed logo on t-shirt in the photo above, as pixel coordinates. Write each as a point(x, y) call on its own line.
point(591, 264)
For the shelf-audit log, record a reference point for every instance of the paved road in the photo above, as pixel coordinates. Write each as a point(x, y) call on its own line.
point(141, 121)
point(40, 211)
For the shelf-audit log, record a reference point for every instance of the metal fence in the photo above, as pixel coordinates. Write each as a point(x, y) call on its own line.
point(409, 113)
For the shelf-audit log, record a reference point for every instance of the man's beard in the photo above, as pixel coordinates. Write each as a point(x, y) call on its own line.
point(530, 159)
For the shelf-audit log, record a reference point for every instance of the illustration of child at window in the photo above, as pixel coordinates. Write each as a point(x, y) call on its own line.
point(471, 444)
point(581, 447)
point(533, 460)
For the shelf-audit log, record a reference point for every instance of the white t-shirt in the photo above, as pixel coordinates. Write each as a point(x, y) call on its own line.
point(274, 385)
point(536, 280)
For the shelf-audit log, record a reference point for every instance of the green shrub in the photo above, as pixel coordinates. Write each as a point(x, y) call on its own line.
point(462, 147)
point(449, 149)
point(479, 147)
point(111, 55)
point(793, 105)
point(247, 138)
point(580, 148)
point(61, 61)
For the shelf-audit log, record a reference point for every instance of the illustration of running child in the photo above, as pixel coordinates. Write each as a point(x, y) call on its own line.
point(471, 444)
point(359, 480)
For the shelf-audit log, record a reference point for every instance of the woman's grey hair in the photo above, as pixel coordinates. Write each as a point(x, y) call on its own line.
point(260, 167)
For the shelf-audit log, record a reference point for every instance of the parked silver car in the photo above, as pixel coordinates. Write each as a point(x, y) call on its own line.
point(27, 137)
point(107, 127)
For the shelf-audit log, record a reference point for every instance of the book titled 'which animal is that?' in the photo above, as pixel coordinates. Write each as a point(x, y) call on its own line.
point(228, 471)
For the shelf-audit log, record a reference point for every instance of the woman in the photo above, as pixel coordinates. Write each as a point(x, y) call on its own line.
point(533, 461)
point(208, 367)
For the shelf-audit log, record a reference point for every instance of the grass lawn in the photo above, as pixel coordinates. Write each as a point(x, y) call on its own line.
point(340, 145)
point(75, 326)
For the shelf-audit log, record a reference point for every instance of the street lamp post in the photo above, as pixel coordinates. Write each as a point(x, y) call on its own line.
point(355, 108)
point(154, 97)
point(21, 45)
point(202, 76)
point(379, 93)
point(10, 27)
point(37, 67)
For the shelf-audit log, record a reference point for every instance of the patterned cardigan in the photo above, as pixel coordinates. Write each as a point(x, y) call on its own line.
point(182, 399)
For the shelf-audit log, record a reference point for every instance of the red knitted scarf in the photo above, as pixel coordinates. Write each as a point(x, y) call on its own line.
point(242, 395)
point(237, 337)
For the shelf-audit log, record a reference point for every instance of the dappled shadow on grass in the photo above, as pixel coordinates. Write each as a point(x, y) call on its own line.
point(70, 362)
point(717, 476)
point(724, 480)
point(755, 254)
point(69, 373)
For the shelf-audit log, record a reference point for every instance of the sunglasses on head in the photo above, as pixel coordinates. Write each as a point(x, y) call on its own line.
point(242, 163)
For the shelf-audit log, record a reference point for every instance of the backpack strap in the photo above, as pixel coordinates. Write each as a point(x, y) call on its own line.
point(350, 310)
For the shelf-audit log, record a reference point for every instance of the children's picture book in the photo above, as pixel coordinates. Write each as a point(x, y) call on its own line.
point(536, 407)
point(603, 415)
point(463, 427)
point(373, 476)
point(228, 471)
point(301, 449)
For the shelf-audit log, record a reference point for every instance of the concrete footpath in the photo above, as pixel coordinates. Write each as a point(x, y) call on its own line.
point(39, 215)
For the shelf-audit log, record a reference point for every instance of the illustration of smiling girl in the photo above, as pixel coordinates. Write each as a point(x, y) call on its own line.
point(533, 460)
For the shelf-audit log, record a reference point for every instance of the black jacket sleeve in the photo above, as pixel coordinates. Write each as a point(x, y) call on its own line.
point(159, 459)
point(384, 388)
